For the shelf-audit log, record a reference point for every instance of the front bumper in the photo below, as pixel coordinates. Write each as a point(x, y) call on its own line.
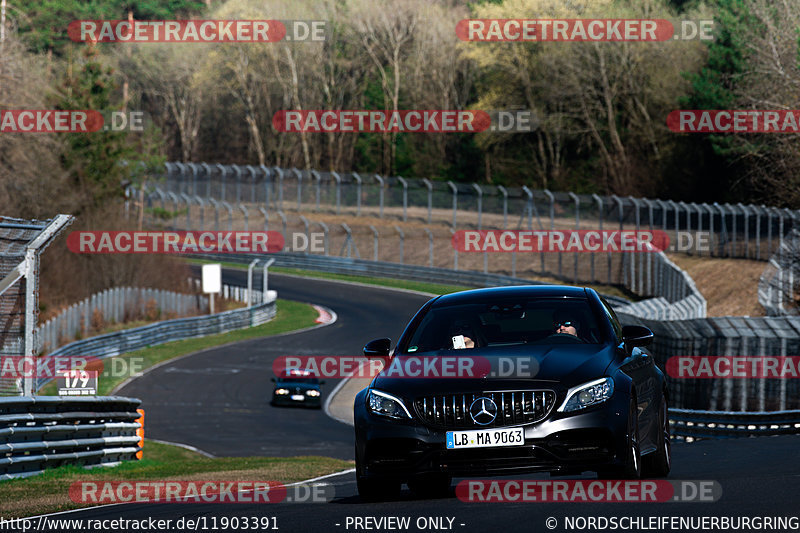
point(592, 440)
point(307, 401)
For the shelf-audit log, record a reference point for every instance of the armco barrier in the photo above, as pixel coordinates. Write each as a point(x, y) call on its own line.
point(46, 431)
point(119, 342)
point(720, 424)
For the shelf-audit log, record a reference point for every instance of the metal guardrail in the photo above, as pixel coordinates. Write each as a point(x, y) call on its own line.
point(46, 431)
point(686, 423)
point(119, 342)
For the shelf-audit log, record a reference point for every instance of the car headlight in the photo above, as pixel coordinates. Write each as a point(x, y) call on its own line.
point(384, 404)
point(312, 392)
point(587, 395)
point(282, 392)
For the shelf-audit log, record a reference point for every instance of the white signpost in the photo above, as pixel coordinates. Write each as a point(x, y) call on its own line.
point(212, 282)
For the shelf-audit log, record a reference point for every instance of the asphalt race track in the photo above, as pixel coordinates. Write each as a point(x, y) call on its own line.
point(218, 401)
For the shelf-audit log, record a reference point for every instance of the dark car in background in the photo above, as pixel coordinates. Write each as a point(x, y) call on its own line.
point(297, 388)
point(595, 401)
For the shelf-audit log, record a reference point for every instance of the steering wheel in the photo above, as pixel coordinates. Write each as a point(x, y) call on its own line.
point(566, 336)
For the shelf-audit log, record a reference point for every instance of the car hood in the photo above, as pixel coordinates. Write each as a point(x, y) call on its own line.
point(551, 366)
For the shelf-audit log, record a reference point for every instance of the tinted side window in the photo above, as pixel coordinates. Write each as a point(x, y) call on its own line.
point(612, 316)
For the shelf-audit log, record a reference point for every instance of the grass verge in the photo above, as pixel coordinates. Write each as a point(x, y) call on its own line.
point(289, 316)
point(49, 492)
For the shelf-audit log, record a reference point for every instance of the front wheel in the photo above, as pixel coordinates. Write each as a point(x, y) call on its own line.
point(659, 463)
point(632, 466)
point(374, 489)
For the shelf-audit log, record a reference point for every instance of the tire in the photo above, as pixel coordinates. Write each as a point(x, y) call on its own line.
point(659, 463)
point(632, 467)
point(430, 485)
point(375, 489)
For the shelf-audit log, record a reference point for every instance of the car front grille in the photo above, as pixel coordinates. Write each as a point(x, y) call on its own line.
point(513, 408)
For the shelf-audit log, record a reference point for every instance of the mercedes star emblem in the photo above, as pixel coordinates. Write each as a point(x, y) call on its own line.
point(483, 411)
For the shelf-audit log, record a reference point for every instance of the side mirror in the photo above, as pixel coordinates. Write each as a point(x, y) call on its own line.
point(636, 336)
point(322, 382)
point(272, 380)
point(378, 348)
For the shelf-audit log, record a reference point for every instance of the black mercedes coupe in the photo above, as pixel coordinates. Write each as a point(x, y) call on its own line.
point(568, 390)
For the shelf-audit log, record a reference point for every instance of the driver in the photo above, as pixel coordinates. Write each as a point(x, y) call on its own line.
point(566, 324)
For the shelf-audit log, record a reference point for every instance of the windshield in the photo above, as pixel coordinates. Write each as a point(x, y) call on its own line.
point(506, 322)
point(297, 381)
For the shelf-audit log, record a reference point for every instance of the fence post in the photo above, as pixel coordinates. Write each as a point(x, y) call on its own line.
point(253, 176)
point(552, 200)
point(174, 216)
point(250, 268)
point(480, 202)
point(577, 228)
point(455, 200)
point(188, 202)
point(266, 217)
point(402, 241)
point(746, 231)
point(374, 242)
point(617, 199)
point(455, 252)
point(194, 177)
point(504, 192)
point(283, 227)
point(600, 227)
point(246, 217)
point(429, 186)
point(325, 236)
point(230, 214)
point(304, 220)
point(317, 189)
point(223, 174)
point(380, 192)
point(299, 175)
point(238, 170)
point(202, 204)
point(264, 273)
point(279, 199)
point(338, 191)
point(216, 213)
point(348, 241)
point(358, 193)
point(404, 183)
point(207, 170)
point(430, 246)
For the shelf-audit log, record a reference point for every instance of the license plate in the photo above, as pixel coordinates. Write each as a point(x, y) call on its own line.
point(298, 397)
point(485, 438)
